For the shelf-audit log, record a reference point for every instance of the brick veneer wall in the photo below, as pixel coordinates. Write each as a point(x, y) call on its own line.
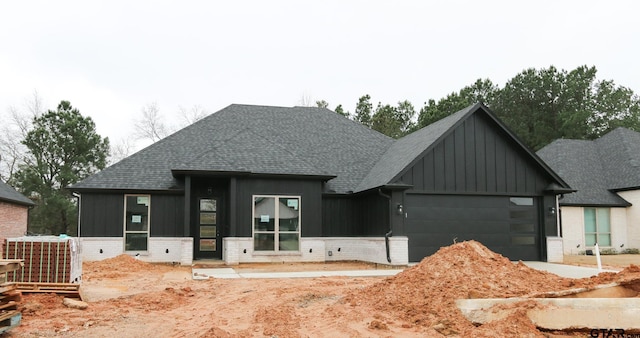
point(13, 221)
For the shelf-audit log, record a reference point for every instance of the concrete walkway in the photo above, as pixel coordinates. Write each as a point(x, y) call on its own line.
point(228, 273)
point(569, 271)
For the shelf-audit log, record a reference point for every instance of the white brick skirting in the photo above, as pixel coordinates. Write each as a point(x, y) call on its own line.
point(321, 249)
point(161, 249)
point(555, 252)
point(240, 250)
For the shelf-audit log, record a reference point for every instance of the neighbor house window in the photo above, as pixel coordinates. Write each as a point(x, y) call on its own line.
point(597, 226)
point(136, 222)
point(276, 223)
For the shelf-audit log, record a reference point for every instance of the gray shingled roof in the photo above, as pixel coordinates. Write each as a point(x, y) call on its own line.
point(8, 194)
point(597, 168)
point(405, 150)
point(253, 139)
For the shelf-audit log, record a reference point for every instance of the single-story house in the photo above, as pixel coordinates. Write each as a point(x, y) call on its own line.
point(273, 184)
point(606, 174)
point(14, 213)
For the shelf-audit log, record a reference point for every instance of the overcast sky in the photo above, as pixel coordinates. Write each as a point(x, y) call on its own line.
point(111, 58)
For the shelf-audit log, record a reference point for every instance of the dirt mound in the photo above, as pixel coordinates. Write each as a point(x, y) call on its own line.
point(425, 294)
point(121, 263)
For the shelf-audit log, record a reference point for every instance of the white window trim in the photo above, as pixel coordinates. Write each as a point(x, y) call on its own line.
point(276, 231)
point(584, 237)
point(124, 225)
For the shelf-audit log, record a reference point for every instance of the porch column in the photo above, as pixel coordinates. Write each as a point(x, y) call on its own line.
point(232, 207)
point(187, 205)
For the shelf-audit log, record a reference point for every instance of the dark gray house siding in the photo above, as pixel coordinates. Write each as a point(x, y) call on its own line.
point(102, 215)
point(338, 218)
point(167, 216)
point(365, 215)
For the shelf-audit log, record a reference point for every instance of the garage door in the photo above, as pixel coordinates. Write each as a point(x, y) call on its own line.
point(507, 225)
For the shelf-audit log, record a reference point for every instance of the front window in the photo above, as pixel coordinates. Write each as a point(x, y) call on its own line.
point(597, 227)
point(276, 223)
point(136, 222)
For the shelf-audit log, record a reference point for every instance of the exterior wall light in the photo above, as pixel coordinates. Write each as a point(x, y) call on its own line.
point(399, 209)
point(552, 211)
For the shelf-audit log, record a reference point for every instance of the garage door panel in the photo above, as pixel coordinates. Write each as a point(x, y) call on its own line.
point(445, 201)
point(443, 213)
point(455, 226)
point(434, 221)
point(445, 239)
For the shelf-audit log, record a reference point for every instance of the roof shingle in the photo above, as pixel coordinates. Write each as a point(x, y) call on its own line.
point(8, 194)
point(597, 168)
point(253, 139)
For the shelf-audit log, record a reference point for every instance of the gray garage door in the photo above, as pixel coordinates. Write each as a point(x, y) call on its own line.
point(507, 225)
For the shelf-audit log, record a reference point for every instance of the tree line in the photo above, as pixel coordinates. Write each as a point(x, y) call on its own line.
point(42, 153)
point(539, 105)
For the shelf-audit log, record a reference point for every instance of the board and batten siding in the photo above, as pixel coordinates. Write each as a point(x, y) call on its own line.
point(476, 158)
point(167, 216)
point(102, 215)
point(361, 215)
point(338, 218)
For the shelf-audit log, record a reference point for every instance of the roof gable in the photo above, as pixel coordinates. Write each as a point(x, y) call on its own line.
point(407, 151)
point(8, 194)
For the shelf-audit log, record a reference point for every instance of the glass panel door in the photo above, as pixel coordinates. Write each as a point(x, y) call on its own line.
point(208, 224)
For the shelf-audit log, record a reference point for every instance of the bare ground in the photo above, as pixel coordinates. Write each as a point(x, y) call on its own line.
point(130, 298)
point(608, 261)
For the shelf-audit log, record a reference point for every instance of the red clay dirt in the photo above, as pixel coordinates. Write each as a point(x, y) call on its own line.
point(163, 301)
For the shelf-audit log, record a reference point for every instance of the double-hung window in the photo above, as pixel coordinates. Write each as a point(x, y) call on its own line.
point(597, 227)
point(276, 223)
point(136, 222)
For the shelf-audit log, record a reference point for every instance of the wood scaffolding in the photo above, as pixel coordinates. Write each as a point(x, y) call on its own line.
point(10, 296)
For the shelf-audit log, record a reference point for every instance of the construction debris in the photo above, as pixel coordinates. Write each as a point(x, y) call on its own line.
point(69, 290)
point(10, 316)
point(74, 303)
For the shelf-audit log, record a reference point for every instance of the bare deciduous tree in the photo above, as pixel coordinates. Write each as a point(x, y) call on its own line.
point(18, 123)
point(190, 116)
point(151, 125)
point(121, 150)
point(306, 100)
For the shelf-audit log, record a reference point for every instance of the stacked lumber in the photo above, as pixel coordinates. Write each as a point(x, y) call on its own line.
point(71, 290)
point(10, 296)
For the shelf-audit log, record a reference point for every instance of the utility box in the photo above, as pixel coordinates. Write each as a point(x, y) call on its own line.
point(47, 259)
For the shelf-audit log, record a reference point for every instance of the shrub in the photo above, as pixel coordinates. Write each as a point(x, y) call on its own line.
point(631, 251)
point(608, 251)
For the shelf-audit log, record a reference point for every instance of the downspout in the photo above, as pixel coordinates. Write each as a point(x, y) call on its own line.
point(558, 220)
point(390, 233)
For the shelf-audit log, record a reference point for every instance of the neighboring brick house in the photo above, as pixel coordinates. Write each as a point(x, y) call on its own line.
point(14, 211)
